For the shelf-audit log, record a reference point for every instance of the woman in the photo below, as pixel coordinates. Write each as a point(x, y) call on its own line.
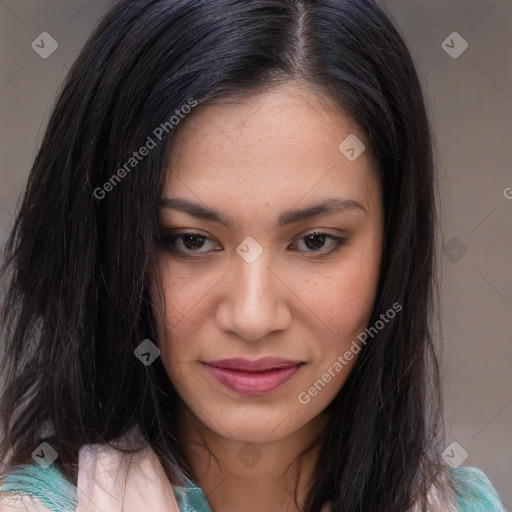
point(222, 274)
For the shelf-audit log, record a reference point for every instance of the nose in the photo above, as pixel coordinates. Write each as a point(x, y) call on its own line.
point(254, 300)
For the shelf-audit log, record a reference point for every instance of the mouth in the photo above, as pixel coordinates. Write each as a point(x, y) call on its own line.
point(252, 377)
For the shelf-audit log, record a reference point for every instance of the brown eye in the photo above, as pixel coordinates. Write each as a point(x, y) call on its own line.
point(186, 242)
point(316, 241)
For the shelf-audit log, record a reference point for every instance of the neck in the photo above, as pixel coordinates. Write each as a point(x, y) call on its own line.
point(236, 475)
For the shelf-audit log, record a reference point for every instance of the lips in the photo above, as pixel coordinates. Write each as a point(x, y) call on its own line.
point(253, 377)
point(260, 365)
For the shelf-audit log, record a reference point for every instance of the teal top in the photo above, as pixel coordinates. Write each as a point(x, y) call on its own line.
point(475, 491)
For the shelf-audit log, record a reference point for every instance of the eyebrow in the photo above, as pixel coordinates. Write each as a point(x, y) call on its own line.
point(329, 206)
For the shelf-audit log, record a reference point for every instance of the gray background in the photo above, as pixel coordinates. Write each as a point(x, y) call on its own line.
point(470, 103)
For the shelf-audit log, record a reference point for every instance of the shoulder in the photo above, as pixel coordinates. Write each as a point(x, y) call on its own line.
point(474, 491)
point(36, 488)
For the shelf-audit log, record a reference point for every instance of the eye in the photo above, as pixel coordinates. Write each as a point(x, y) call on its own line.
point(190, 242)
point(316, 240)
point(186, 242)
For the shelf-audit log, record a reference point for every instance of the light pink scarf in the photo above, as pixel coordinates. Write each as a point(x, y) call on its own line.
point(111, 481)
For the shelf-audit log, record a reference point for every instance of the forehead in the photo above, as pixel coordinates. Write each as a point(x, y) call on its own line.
point(286, 139)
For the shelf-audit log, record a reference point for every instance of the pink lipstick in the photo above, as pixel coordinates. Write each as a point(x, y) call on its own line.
point(253, 377)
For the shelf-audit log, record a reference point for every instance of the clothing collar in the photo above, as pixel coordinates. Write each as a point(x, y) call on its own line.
point(112, 481)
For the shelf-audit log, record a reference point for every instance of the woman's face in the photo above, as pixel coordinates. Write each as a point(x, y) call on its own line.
point(254, 281)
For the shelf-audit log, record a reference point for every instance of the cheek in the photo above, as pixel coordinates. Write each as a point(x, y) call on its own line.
point(183, 294)
point(174, 322)
point(177, 288)
point(342, 299)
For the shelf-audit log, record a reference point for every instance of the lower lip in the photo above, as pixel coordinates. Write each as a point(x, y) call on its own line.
point(252, 383)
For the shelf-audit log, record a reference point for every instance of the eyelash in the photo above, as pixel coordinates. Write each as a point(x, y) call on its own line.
point(168, 241)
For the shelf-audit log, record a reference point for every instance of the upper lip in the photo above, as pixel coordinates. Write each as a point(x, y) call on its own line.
point(259, 365)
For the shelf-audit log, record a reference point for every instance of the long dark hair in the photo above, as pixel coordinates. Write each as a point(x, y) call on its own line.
point(80, 260)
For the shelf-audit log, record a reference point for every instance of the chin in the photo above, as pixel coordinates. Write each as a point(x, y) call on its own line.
point(255, 429)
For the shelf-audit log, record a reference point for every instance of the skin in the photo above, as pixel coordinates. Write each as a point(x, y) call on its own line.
point(251, 161)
